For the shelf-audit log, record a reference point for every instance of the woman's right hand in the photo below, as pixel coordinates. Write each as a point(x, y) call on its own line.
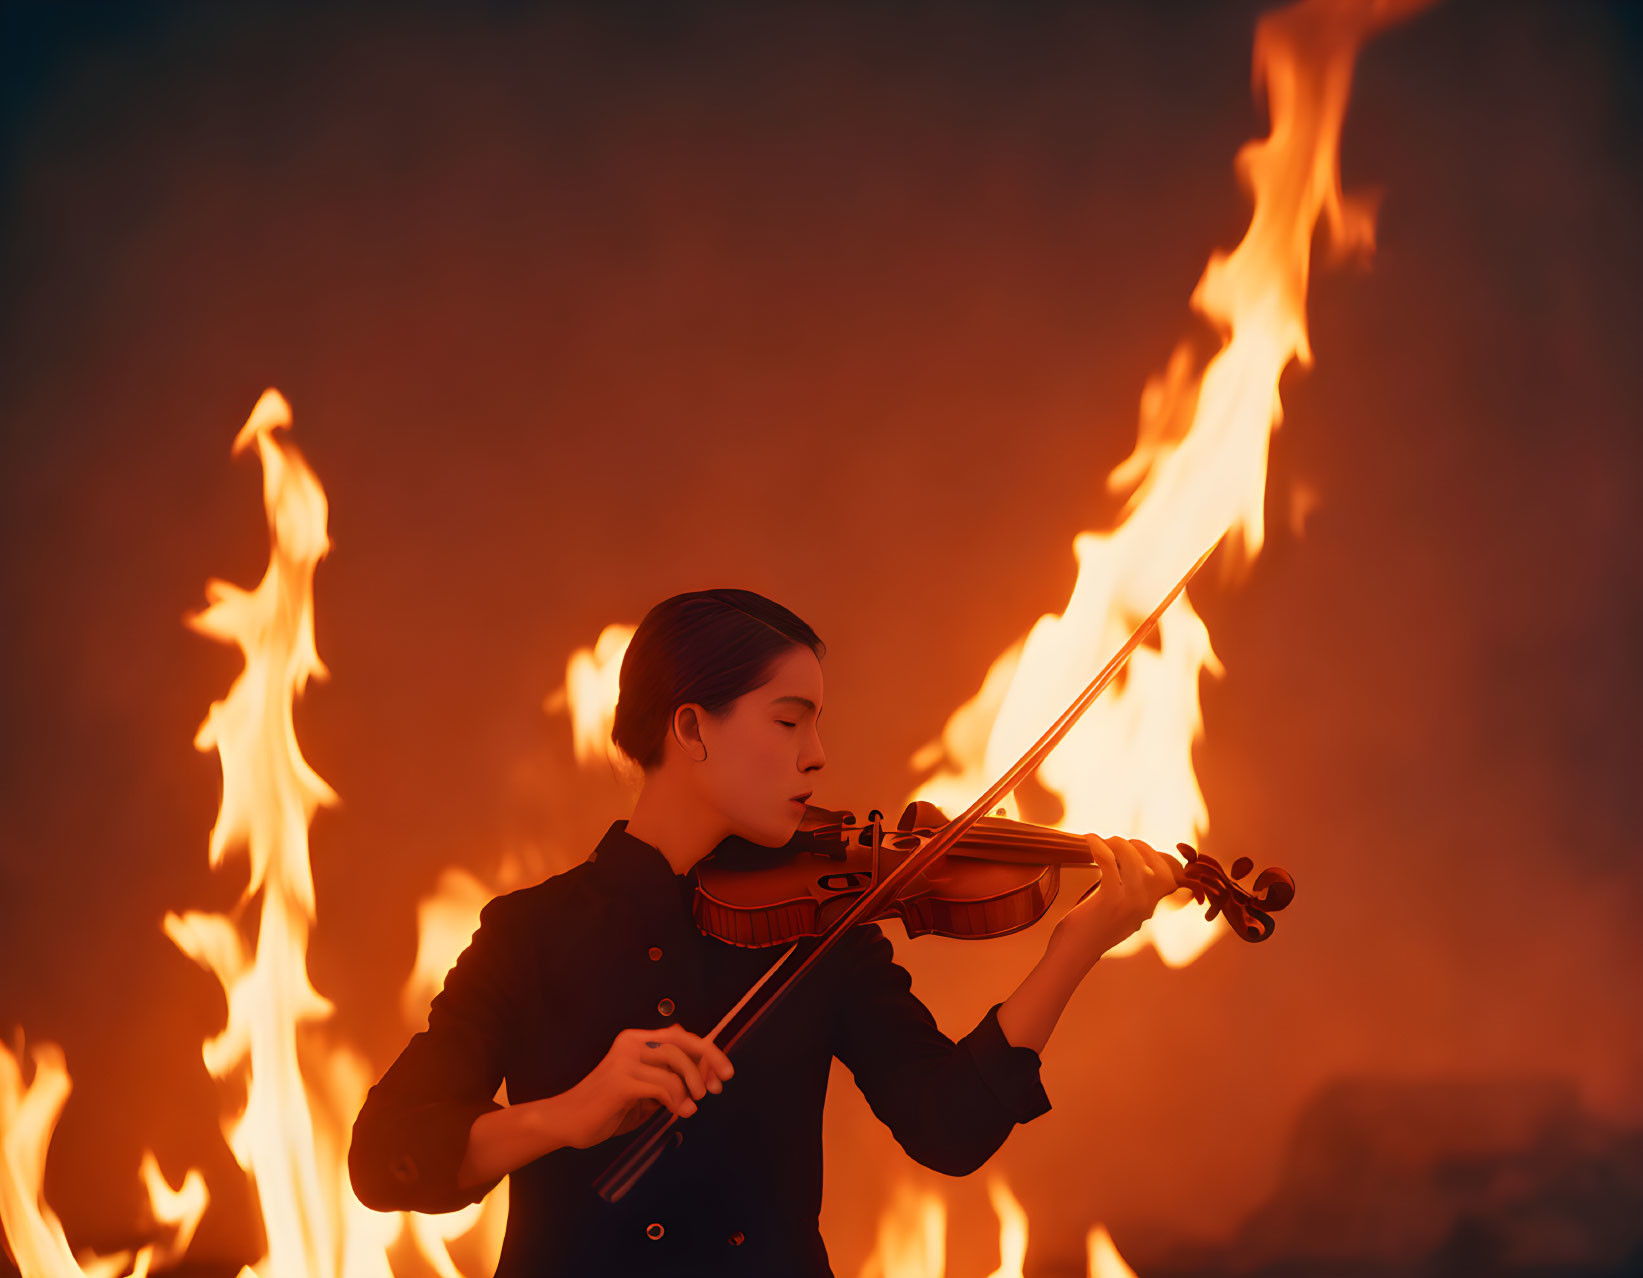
point(642, 1071)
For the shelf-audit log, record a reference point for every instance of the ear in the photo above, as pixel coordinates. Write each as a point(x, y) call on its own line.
point(687, 731)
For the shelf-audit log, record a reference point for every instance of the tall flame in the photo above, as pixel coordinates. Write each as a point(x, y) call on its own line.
point(270, 795)
point(1198, 471)
point(301, 1088)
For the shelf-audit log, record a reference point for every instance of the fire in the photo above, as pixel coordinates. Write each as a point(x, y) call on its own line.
point(589, 694)
point(912, 1237)
point(270, 795)
point(302, 1090)
point(1198, 470)
point(1105, 1262)
point(1012, 1229)
point(33, 1233)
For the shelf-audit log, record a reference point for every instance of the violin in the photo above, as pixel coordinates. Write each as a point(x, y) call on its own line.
point(999, 877)
point(973, 877)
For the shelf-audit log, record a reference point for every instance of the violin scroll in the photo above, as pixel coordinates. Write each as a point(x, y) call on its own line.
point(1248, 913)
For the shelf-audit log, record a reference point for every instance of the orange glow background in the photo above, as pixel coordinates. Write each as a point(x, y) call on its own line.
point(580, 309)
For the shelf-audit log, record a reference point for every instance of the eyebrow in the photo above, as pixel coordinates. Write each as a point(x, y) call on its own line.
point(806, 702)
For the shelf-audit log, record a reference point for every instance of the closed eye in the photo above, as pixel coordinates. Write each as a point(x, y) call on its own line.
point(786, 724)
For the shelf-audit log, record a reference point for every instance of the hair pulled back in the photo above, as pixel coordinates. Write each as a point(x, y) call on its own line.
point(703, 646)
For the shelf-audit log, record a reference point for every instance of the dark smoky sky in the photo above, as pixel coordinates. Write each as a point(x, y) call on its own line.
point(580, 306)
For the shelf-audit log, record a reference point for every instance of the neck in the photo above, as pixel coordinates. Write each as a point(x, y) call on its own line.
point(674, 821)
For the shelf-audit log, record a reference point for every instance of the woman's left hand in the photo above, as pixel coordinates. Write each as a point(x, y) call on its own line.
point(1135, 876)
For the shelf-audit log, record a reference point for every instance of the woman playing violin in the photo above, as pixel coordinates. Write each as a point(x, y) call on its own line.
point(590, 993)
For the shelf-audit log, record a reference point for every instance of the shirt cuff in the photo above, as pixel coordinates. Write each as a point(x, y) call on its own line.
point(421, 1172)
point(1010, 1072)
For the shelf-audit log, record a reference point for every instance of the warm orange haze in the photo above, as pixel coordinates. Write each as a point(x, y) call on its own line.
point(1208, 1103)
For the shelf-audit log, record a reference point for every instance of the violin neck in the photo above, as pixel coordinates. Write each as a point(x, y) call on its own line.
point(1000, 839)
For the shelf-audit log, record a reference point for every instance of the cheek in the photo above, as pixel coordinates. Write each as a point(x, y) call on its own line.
point(750, 768)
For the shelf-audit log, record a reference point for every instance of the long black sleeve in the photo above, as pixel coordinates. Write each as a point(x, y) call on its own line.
point(411, 1134)
point(949, 1105)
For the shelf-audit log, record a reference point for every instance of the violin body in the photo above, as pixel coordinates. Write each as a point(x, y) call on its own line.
point(757, 896)
point(1001, 877)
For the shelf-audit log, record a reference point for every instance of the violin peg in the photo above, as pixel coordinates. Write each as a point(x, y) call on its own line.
point(1242, 866)
point(1276, 886)
point(1187, 850)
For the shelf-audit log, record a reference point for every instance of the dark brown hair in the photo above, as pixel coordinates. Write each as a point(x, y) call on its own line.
point(704, 646)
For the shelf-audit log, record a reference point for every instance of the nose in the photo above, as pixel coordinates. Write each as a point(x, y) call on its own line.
point(814, 758)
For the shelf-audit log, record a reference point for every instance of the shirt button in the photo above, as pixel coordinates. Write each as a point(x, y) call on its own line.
point(665, 1007)
point(737, 1238)
point(655, 954)
point(653, 1230)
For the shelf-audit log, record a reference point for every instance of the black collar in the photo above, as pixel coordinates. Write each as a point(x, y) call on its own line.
point(636, 871)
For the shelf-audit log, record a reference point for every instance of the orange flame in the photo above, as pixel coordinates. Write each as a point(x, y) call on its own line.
point(1012, 1229)
point(301, 1089)
point(1198, 470)
point(269, 798)
point(1105, 1262)
point(589, 694)
point(33, 1234)
point(912, 1236)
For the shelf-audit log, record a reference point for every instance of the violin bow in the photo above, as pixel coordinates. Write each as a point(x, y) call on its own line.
point(657, 1132)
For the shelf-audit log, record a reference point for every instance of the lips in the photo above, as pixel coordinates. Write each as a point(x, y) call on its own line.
point(803, 798)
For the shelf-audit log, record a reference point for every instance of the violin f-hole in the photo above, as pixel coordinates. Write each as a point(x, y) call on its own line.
point(851, 880)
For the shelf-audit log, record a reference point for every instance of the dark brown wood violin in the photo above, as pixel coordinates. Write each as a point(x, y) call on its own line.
point(1001, 876)
point(900, 875)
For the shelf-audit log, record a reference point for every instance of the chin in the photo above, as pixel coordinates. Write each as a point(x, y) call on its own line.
point(773, 835)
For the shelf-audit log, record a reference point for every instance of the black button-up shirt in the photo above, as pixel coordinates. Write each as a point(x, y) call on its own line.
point(552, 975)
